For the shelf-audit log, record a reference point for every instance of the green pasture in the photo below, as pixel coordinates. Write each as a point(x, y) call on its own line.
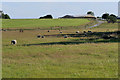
point(106, 27)
point(40, 23)
point(56, 56)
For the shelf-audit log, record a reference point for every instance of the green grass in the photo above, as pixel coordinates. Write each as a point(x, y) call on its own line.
point(22, 23)
point(106, 27)
point(61, 61)
point(98, 59)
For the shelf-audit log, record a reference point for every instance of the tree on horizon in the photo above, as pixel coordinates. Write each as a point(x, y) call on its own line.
point(90, 13)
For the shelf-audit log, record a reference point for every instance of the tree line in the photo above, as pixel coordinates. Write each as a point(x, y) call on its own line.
point(110, 18)
point(5, 16)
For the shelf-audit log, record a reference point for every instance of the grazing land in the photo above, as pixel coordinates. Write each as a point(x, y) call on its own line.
point(42, 23)
point(54, 56)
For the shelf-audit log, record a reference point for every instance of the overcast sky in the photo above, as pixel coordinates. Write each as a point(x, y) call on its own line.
point(57, 9)
point(60, 0)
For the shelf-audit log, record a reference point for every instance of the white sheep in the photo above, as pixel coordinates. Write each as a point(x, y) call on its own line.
point(43, 37)
point(84, 31)
point(60, 31)
point(65, 36)
point(14, 42)
point(38, 36)
point(85, 34)
point(77, 31)
point(89, 31)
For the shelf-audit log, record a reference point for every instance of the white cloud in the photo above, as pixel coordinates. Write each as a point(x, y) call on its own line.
point(60, 0)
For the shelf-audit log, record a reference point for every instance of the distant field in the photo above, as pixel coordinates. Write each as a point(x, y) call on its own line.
point(106, 27)
point(59, 57)
point(22, 23)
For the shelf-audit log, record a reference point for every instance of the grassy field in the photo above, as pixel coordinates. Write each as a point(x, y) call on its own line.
point(106, 28)
point(39, 23)
point(54, 56)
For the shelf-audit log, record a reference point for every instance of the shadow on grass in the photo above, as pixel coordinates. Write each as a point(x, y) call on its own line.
point(78, 42)
point(87, 34)
point(99, 38)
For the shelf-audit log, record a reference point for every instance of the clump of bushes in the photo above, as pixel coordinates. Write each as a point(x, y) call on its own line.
point(5, 16)
point(109, 18)
point(46, 17)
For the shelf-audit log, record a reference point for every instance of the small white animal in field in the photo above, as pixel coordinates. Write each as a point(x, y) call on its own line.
point(84, 31)
point(38, 36)
point(65, 36)
point(77, 31)
point(13, 42)
point(43, 37)
point(90, 31)
point(85, 34)
point(60, 31)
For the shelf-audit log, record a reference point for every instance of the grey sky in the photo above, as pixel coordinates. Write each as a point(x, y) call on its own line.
point(60, 0)
point(57, 9)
